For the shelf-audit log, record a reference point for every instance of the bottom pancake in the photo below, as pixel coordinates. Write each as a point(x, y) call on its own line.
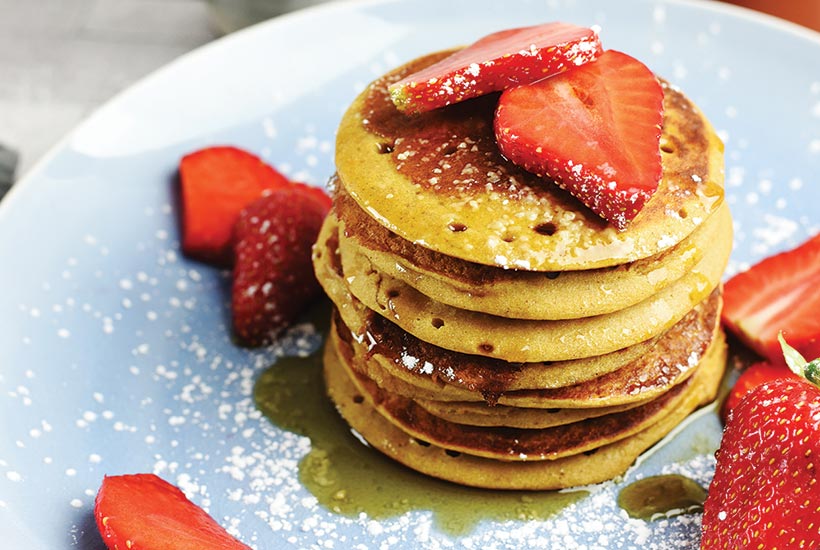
point(592, 466)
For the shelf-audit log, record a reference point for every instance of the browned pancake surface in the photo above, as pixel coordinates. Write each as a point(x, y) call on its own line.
point(480, 413)
point(659, 365)
point(594, 466)
point(513, 340)
point(438, 180)
point(516, 443)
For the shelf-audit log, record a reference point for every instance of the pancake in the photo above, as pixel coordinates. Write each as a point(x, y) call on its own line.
point(594, 466)
point(518, 340)
point(396, 359)
point(470, 203)
point(513, 293)
point(501, 375)
point(483, 414)
point(671, 362)
point(506, 443)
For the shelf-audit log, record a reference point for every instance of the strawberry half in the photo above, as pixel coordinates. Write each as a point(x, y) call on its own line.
point(273, 279)
point(143, 512)
point(765, 493)
point(215, 184)
point(594, 130)
point(777, 294)
point(498, 61)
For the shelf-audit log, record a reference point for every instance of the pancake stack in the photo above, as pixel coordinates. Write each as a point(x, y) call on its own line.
point(491, 330)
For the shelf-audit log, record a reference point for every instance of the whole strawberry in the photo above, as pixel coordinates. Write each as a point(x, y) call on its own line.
point(273, 276)
point(765, 493)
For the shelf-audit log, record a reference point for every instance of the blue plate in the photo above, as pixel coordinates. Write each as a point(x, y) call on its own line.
point(116, 356)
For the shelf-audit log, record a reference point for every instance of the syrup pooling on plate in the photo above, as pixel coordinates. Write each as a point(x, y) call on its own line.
point(662, 496)
point(349, 478)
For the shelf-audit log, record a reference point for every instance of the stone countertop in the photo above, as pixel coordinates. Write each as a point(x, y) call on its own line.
point(60, 59)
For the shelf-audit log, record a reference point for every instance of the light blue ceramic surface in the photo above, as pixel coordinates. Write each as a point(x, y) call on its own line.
point(115, 349)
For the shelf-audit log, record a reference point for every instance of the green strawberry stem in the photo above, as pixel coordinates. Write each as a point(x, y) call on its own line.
point(798, 364)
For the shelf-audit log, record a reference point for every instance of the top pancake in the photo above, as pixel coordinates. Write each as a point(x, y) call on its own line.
point(471, 203)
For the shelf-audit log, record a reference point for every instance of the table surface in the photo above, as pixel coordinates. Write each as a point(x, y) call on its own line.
point(60, 59)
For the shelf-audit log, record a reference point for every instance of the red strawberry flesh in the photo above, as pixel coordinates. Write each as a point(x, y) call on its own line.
point(777, 294)
point(765, 493)
point(216, 183)
point(273, 273)
point(594, 130)
point(143, 512)
point(498, 61)
point(317, 193)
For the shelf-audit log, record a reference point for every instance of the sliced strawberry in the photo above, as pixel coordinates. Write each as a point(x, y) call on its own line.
point(273, 279)
point(143, 512)
point(496, 62)
point(215, 184)
point(778, 294)
point(752, 377)
point(595, 130)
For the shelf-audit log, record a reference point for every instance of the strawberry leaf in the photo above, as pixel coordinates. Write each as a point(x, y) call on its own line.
point(794, 359)
point(798, 364)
